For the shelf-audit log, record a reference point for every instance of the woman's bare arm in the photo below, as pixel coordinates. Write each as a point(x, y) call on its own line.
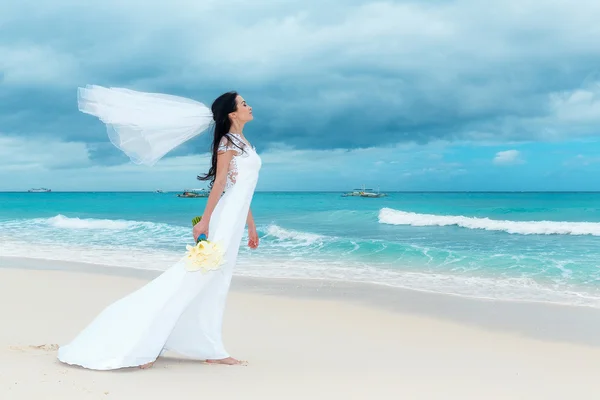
point(250, 220)
point(223, 160)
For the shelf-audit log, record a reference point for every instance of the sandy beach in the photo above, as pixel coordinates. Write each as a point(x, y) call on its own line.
point(303, 340)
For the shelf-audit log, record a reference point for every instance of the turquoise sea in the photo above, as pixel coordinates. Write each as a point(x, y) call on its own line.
point(510, 246)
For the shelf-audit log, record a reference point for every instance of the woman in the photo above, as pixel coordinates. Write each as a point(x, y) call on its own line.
point(180, 311)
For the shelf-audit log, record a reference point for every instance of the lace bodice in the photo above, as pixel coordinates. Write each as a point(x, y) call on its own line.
point(234, 142)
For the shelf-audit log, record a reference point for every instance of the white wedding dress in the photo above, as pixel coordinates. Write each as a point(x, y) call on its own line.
point(179, 311)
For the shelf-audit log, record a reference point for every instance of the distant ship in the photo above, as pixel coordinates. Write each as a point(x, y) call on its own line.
point(373, 194)
point(364, 192)
point(39, 190)
point(159, 191)
point(193, 193)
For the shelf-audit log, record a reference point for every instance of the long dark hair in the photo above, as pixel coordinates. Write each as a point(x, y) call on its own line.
point(221, 108)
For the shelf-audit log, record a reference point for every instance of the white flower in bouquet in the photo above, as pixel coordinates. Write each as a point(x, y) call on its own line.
point(204, 256)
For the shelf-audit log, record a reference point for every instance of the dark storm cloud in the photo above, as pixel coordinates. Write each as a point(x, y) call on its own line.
point(319, 75)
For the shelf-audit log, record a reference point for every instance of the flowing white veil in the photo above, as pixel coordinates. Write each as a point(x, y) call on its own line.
point(145, 126)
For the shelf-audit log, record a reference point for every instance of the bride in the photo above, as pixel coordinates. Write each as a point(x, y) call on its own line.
point(179, 311)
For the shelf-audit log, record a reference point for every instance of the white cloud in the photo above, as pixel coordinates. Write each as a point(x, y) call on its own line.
point(35, 65)
point(508, 157)
point(284, 168)
point(581, 160)
point(286, 156)
point(189, 163)
point(576, 110)
point(17, 153)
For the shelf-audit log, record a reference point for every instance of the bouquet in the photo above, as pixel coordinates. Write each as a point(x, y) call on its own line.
point(204, 255)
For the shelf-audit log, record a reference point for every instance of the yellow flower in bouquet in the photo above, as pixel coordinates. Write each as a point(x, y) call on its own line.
point(204, 256)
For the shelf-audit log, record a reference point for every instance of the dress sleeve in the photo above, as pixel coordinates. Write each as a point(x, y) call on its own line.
point(227, 143)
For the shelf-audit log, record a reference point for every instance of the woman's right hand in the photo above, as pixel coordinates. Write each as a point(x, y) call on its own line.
point(200, 228)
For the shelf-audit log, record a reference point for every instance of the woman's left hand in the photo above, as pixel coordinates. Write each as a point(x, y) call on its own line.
point(252, 237)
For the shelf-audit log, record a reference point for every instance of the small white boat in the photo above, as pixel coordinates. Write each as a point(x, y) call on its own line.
point(194, 193)
point(364, 192)
point(39, 190)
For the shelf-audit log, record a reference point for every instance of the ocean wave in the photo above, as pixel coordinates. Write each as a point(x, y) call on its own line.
point(397, 217)
point(267, 266)
point(278, 233)
point(60, 221)
point(109, 232)
point(100, 232)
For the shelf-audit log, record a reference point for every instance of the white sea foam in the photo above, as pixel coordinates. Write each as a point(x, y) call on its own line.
point(397, 217)
point(116, 256)
point(108, 233)
point(60, 221)
point(266, 266)
point(285, 253)
point(305, 238)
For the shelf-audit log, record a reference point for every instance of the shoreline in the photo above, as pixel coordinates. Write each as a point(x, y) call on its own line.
point(565, 298)
point(537, 320)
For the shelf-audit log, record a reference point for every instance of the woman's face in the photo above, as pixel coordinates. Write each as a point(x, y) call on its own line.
point(243, 112)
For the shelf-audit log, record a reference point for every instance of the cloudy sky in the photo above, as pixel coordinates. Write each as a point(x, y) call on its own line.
point(405, 95)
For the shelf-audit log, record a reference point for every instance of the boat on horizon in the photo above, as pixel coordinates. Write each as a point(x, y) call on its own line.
point(373, 194)
point(193, 193)
point(364, 192)
point(39, 190)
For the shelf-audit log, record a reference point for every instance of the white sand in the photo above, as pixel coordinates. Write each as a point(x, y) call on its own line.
point(308, 346)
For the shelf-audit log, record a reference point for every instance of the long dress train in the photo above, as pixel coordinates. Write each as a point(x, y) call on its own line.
point(180, 311)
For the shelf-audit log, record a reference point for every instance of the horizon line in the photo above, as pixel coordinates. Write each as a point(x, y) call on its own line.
point(318, 191)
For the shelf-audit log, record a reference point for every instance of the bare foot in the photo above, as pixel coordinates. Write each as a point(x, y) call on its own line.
point(227, 361)
point(148, 365)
